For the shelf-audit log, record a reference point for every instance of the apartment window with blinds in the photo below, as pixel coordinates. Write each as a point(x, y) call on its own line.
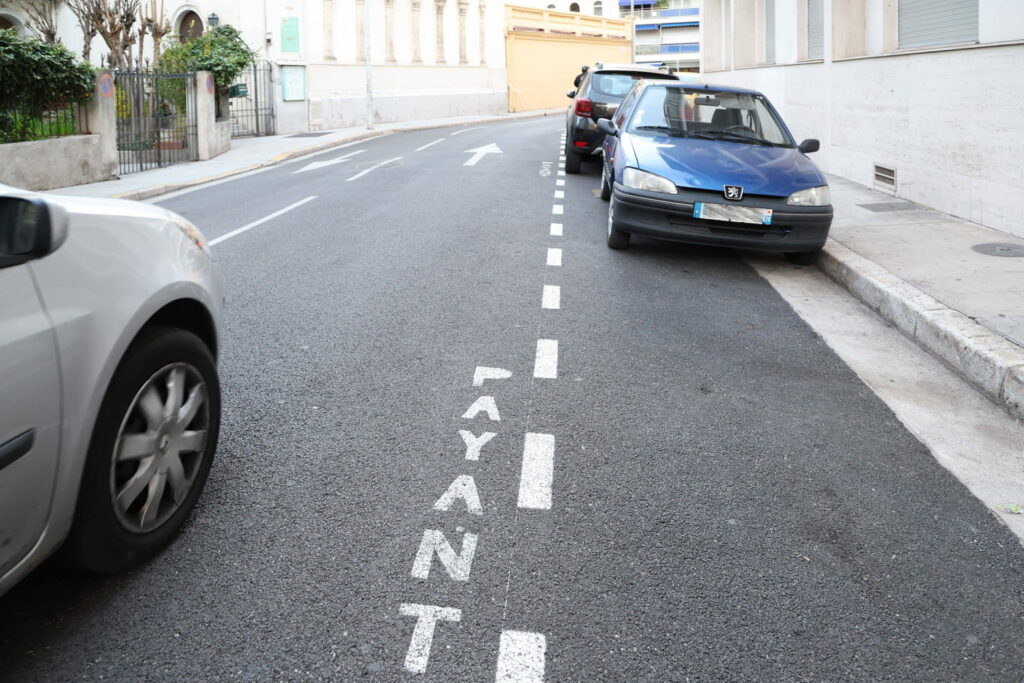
point(922, 23)
point(769, 31)
point(815, 29)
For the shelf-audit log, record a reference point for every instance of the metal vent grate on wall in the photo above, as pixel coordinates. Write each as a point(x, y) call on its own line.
point(885, 179)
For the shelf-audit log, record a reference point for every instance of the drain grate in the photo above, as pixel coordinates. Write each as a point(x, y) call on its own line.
point(1008, 249)
point(888, 206)
point(310, 135)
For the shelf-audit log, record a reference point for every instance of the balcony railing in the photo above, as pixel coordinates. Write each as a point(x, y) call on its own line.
point(668, 49)
point(660, 13)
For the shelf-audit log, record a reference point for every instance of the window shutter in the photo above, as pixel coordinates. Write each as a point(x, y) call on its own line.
point(937, 22)
point(815, 29)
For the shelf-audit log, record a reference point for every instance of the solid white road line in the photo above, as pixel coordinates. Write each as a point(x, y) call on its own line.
point(521, 657)
point(560, 182)
point(559, 194)
point(538, 468)
point(359, 175)
point(552, 297)
point(556, 229)
point(465, 130)
point(261, 221)
point(557, 209)
point(429, 144)
point(554, 256)
point(545, 365)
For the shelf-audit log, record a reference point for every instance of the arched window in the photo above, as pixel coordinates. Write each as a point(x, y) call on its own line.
point(190, 26)
point(7, 21)
point(574, 7)
point(598, 8)
point(551, 7)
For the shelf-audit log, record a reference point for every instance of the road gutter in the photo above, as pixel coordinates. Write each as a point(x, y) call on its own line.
point(989, 362)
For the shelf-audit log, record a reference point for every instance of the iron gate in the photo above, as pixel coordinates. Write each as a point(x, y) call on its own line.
point(252, 101)
point(156, 119)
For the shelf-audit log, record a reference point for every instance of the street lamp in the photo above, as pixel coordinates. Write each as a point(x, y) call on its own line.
point(213, 20)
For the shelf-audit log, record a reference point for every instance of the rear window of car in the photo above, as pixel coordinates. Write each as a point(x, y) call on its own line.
point(619, 84)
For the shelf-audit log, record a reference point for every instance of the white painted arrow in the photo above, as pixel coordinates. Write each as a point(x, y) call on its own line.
point(480, 152)
point(320, 164)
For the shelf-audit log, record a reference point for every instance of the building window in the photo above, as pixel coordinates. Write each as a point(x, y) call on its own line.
point(574, 7)
point(598, 8)
point(769, 31)
point(551, 7)
point(189, 27)
point(937, 22)
point(7, 21)
point(815, 29)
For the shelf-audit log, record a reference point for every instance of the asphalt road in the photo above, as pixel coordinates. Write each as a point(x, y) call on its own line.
point(728, 500)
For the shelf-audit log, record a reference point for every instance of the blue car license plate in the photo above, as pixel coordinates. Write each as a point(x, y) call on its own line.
point(732, 213)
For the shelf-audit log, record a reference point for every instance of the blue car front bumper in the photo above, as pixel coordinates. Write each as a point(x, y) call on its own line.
point(793, 228)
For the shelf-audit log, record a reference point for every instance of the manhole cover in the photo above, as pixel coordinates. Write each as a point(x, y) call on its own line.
point(309, 135)
point(999, 249)
point(888, 206)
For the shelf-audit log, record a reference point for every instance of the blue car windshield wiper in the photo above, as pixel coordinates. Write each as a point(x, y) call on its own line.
point(678, 132)
point(739, 137)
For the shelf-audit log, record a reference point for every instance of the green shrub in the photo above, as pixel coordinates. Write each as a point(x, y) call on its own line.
point(220, 50)
point(38, 77)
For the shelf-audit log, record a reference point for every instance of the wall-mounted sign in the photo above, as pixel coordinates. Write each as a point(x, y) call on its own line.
point(290, 34)
point(293, 83)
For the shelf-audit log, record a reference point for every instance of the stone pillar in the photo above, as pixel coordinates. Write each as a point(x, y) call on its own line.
point(463, 6)
point(483, 32)
point(329, 31)
point(389, 31)
point(360, 42)
point(439, 9)
point(416, 32)
point(206, 115)
point(99, 117)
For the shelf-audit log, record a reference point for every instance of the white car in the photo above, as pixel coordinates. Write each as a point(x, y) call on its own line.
point(109, 396)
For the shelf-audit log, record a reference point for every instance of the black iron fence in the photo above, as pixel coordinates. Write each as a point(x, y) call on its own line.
point(21, 125)
point(252, 101)
point(156, 119)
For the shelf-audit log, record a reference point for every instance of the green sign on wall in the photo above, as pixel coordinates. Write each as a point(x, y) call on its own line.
point(290, 34)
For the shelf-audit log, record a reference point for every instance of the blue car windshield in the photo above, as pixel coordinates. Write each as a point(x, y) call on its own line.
point(710, 114)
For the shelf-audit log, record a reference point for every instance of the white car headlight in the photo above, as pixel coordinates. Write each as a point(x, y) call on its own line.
point(815, 196)
point(642, 180)
point(189, 229)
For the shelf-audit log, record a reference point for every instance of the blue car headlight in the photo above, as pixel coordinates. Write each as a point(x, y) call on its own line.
point(642, 180)
point(814, 196)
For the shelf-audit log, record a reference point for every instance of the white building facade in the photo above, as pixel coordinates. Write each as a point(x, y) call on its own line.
point(920, 98)
point(431, 58)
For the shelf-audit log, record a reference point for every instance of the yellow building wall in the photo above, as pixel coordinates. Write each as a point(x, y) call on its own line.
point(544, 51)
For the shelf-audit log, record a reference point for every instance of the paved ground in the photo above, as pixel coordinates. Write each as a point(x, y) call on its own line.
point(728, 502)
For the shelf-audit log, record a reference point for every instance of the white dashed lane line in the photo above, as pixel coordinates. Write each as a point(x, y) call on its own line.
point(559, 194)
point(557, 209)
point(359, 175)
point(545, 364)
point(250, 226)
point(521, 657)
point(554, 256)
point(538, 469)
point(560, 182)
point(429, 144)
point(552, 297)
point(556, 229)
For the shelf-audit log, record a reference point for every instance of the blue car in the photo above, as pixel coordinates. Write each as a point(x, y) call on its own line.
point(715, 165)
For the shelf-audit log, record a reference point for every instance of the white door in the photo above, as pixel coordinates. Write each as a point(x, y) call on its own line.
point(29, 415)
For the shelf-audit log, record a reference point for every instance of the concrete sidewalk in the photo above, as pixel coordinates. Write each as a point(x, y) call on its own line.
point(249, 154)
point(953, 286)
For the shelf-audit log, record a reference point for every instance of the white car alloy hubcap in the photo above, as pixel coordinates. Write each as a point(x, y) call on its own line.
point(159, 447)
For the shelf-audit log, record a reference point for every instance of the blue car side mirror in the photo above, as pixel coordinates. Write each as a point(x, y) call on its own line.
point(607, 127)
point(809, 145)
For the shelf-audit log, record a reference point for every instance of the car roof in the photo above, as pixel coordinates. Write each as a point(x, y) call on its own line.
point(644, 68)
point(701, 86)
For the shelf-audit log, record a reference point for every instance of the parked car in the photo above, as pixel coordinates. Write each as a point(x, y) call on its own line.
point(109, 396)
point(600, 91)
point(710, 164)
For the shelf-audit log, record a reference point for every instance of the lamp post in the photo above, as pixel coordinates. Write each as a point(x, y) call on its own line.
point(213, 20)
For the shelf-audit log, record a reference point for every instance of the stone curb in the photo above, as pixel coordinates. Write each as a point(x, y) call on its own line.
point(157, 190)
point(988, 361)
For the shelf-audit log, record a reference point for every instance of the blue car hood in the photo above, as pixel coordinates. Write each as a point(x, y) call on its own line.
point(712, 164)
